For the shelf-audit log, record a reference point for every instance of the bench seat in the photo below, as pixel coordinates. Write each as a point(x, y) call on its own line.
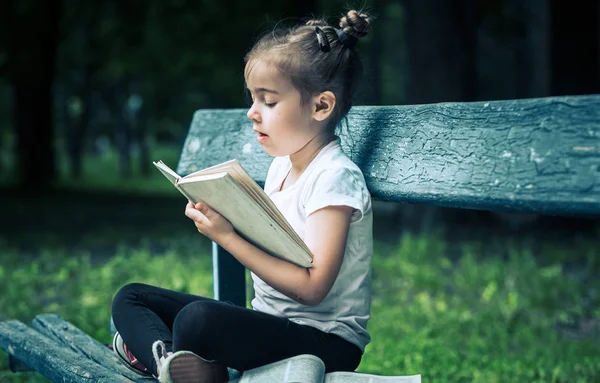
point(63, 353)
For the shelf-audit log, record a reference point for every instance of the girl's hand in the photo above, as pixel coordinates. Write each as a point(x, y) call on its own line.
point(209, 222)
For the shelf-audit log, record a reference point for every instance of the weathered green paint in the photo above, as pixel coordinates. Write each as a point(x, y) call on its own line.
point(67, 335)
point(531, 155)
point(54, 361)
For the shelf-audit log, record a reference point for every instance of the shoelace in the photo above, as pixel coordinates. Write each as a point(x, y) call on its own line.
point(163, 350)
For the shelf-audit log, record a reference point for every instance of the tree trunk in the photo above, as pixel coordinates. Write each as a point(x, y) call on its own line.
point(32, 55)
point(142, 133)
point(114, 97)
point(575, 47)
point(77, 128)
point(77, 121)
point(538, 41)
point(374, 60)
point(466, 21)
point(441, 37)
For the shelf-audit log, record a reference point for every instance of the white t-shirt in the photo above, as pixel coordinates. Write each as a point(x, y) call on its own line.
point(331, 179)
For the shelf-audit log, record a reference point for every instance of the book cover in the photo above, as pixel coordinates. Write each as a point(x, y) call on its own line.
point(229, 190)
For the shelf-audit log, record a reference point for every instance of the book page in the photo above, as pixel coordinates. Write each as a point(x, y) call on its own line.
point(167, 172)
point(355, 377)
point(298, 369)
point(172, 177)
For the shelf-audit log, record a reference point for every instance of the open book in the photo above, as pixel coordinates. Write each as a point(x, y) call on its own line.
point(310, 369)
point(229, 190)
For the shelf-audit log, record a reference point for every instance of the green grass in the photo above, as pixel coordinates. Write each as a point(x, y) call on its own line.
point(473, 320)
point(481, 319)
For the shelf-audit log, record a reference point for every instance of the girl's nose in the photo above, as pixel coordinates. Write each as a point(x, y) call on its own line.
point(253, 114)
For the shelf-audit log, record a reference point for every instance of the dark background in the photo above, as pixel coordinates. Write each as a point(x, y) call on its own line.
point(78, 78)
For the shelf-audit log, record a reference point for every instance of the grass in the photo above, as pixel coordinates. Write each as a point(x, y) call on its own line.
point(490, 306)
point(473, 320)
point(480, 319)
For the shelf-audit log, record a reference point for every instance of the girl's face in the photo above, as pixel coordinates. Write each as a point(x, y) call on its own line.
point(284, 126)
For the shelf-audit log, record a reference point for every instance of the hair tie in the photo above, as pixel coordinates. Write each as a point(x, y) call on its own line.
point(347, 40)
point(322, 39)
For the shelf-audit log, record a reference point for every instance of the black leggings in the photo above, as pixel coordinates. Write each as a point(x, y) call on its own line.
point(234, 336)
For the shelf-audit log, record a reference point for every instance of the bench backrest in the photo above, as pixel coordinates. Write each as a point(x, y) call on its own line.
point(531, 155)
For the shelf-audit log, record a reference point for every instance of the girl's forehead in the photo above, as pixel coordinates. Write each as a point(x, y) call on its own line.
point(262, 73)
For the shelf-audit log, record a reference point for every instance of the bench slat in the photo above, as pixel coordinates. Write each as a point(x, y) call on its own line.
point(65, 333)
point(57, 363)
point(530, 155)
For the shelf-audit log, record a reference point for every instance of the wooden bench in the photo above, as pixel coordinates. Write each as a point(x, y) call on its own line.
point(531, 155)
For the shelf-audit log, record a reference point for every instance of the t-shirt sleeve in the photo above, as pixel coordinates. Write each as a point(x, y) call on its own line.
point(336, 187)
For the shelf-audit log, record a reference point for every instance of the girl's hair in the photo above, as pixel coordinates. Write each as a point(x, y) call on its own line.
point(317, 57)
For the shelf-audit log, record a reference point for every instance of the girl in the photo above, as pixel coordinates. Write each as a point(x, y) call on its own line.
point(302, 81)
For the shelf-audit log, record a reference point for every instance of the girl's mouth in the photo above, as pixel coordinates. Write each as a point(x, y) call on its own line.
point(261, 137)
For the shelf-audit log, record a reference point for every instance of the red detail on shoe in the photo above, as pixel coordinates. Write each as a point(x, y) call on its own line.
point(133, 360)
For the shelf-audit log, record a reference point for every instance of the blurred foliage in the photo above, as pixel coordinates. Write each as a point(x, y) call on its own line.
point(181, 55)
point(100, 173)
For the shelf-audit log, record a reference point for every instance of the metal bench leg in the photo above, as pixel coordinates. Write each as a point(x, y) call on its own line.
point(16, 365)
point(229, 277)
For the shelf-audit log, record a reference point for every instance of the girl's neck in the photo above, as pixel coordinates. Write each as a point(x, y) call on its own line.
point(302, 158)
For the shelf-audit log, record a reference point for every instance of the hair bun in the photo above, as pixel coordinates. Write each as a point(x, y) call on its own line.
point(356, 24)
point(317, 23)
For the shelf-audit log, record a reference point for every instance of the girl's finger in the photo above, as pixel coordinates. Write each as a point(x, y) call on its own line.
point(202, 208)
point(194, 214)
point(188, 206)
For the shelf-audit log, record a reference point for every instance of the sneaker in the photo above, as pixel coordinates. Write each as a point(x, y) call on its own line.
point(126, 356)
point(186, 367)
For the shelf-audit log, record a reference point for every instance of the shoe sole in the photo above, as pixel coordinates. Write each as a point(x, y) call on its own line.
point(117, 345)
point(189, 368)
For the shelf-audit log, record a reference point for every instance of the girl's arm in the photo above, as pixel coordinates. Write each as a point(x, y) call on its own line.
point(325, 235)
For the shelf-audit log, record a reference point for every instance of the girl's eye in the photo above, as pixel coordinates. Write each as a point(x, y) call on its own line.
point(270, 104)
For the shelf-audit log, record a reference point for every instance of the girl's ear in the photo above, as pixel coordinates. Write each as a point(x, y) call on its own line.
point(324, 103)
